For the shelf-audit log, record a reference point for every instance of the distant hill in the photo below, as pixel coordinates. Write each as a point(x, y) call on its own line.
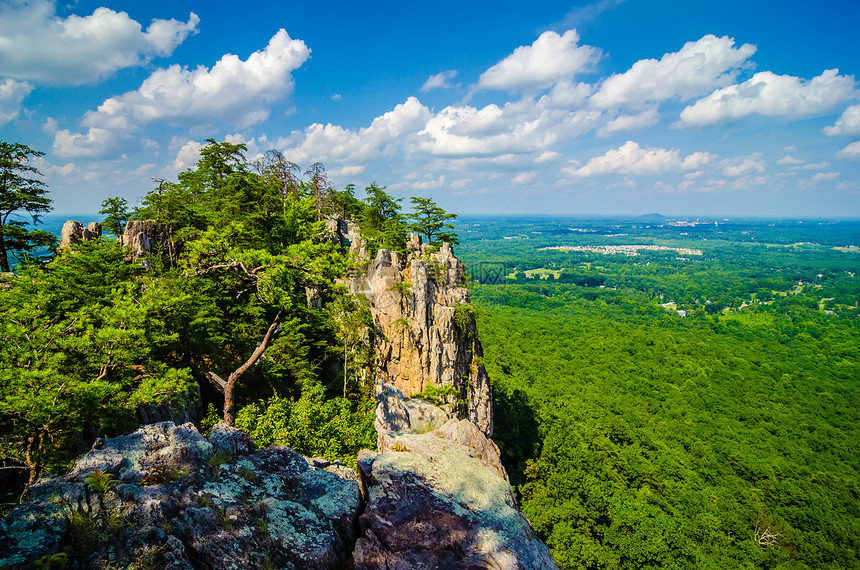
point(652, 217)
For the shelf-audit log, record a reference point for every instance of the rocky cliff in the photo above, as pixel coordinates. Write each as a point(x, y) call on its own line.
point(74, 232)
point(426, 328)
point(434, 496)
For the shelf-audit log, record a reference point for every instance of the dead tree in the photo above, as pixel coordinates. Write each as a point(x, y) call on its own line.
point(228, 387)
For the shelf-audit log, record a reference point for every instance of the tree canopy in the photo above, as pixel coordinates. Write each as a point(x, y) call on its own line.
point(21, 193)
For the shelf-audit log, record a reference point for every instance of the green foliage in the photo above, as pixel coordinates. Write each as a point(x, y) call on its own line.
point(437, 395)
point(116, 215)
point(55, 561)
point(464, 315)
point(78, 341)
point(99, 481)
point(638, 438)
point(402, 287)
point(312, 425)
point(432, 221)
point(212, 417)
point(382, 223)
point(21, 193)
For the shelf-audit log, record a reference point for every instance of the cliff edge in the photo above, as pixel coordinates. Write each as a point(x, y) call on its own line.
point(426, 333)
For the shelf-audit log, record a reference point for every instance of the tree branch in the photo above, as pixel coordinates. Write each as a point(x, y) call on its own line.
point(258, 352)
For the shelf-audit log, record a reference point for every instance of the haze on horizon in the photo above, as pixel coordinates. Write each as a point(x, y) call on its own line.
point(614, 107)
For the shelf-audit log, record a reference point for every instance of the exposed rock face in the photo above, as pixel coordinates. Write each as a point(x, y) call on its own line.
point(347, 234)
point(142, 236)
point(190, 410)
point(174, 507)
point(439, 499)
point(74, 232)
point(428, 336)
point(436, 496)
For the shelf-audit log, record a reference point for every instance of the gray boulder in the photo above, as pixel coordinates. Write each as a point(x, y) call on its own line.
point(440, 499)
point(173, 505)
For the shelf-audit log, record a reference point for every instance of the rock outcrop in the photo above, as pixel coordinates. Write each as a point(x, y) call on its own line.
point(435, 495)
point(426, 329)
point(439, 497)
point(74, 232)
point(347, 234)
point(145, 236)
point(183, 502)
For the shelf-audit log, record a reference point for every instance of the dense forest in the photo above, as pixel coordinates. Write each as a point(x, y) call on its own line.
point(676, 409)
point(668, 393)
point(241, 302)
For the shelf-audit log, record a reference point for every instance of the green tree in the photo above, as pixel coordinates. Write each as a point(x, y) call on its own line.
point(20, 192)
point(116, 215)
point(382, 222)
point(432, 221)
point(76, 346)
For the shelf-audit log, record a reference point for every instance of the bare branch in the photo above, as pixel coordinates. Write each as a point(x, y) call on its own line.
point(216, 380)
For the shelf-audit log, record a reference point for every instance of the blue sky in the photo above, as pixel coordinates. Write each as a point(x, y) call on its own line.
point(609, 107)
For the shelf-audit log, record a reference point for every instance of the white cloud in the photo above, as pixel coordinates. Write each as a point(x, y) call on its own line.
point(347, 171)
point(547, 156)
point(851, 151)
point(812, 166)
point(12, 94)
point(39, 46)
point(789, 160)
point(742, 165)
point(692, 71)
point(825, 176)
point(847, 124)
point(334, 143)
point(569, 95)
point(95, 143)
point(551, 57)
point(630, 158)
point(336, 97)
point(769, 94)
point(629, 122)
point(235, 90)
point(428, 182)
point(187, 155)
point(524, 126)
point(440, 81)
point(524, 177)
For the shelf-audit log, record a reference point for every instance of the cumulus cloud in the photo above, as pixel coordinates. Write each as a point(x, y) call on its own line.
point(630, 158)
point(94, 143)
point(39, 46)
point(381, 138)
point(235, 91)
point(629, 122)
point(743, 165)
point(568, 95)
point(769, 94)
point(231, 88)
point(850, 151)
point(440, 81)
point(524, 126)
point(694, 70)
point(551, 57)
point(847, 124)
point(12, 94)
point(187, 155)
